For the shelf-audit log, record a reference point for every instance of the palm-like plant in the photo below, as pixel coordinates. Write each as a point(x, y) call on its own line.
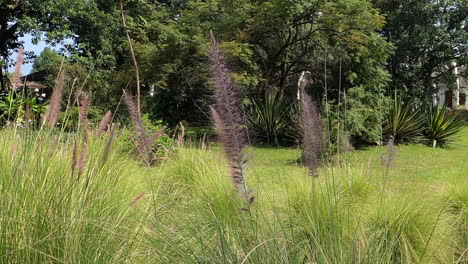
point(10, 105)
point(441, 127)
point(403, 123)
point(269, 118)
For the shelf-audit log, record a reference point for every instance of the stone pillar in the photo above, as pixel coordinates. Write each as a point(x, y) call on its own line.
point(456, 98)
point(441, 97)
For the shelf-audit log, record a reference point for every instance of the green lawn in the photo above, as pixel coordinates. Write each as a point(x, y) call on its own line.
point(416, 207)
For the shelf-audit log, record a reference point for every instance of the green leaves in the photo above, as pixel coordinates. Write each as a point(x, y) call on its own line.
point(441, 127)
point(269, 119)
point(404, 122)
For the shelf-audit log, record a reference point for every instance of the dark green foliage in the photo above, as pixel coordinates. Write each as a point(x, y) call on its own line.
point(160, 147)
point(429, 36)
point(404, 122)
point(441, 127)
point(270, 119)
point(70, 119)
point(13, 107)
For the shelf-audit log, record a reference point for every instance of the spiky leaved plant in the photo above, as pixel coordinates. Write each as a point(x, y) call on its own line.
point(311, 126)
point(228, 119)
point(441, 127)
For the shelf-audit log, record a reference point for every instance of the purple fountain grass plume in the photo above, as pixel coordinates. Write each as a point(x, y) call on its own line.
point(27, 116)
point(109, 144)
point(84, 102)
point(312, 135)
point(83, 153)
point(389, 157)
point(137, 199)
point(18, 66)
point(134, 115)
point(75, 157)
point(104, 123)
point(227, 117)
point(53, 110)
point(143, 141)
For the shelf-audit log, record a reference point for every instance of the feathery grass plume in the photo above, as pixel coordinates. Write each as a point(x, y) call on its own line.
point(227, 117)
point(83, 153)
point(109, 144)
point(53, 110)
point(137, 199)
point(389, 157)
point(27, 116)
point(143, 141)
point(104, 123)
point(311, 126)
point(18, 65)
point(84, 102)
point(75, 157)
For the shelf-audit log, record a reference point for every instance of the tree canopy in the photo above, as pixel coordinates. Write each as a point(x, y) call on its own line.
point(359, 52)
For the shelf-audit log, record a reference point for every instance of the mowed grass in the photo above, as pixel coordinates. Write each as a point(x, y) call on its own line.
point(186, 211)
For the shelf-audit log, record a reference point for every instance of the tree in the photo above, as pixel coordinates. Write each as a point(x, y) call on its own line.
point(48, 60)
point(428, 35)
point(36, 17)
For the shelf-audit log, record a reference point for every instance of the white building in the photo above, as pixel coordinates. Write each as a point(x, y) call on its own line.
point(453, 95)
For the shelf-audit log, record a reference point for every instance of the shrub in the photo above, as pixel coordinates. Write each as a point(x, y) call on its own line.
point(441, 127)
point(70, 119)
point(403, 122)
point(270, 119)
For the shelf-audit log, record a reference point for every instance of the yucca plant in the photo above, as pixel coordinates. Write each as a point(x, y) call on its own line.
point(441, 127)
point(403, 122)
point(269, 118)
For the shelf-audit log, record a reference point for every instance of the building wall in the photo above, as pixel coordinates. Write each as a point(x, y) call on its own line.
point(458, 93)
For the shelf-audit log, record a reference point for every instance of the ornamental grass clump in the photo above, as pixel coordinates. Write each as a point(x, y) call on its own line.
point(228, 119)
point(52, 215)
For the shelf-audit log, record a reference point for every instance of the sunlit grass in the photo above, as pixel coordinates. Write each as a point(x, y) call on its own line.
point(185, 210)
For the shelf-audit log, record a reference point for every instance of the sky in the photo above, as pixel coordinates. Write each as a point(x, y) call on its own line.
point(29, 46)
